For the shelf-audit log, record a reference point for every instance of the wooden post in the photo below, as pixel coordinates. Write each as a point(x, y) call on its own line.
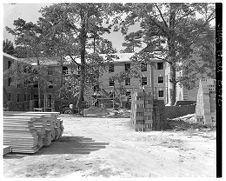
point(113, 100)
point(44, 102)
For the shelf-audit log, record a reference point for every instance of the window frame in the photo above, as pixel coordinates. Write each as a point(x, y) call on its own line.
point(160, 82)
point(142, 81)
point(51, 84)
point(127, 67)
point(18, 98)
point(9, 81)
point(144, 67)
point(158, 66)
point(111, 81)
point(127, 81)
point(161, 92)
point(65, 71)
point(111, 68)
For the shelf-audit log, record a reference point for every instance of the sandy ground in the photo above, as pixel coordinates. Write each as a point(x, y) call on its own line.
point(109, 147)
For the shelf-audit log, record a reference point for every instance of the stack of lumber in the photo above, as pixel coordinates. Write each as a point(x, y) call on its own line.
point(27, 132)
point(6, 149)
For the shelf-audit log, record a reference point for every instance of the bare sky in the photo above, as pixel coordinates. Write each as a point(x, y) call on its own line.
point(30, 12)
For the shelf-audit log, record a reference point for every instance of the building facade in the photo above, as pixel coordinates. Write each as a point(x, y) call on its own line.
point(152, 75)
point(22, 94)
point(14, 92)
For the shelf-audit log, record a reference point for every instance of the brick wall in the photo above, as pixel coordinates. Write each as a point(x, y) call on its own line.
point(147, 113)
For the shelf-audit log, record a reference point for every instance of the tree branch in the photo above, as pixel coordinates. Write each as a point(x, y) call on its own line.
point(161, 15)
point(157, 24)
point(74, 60)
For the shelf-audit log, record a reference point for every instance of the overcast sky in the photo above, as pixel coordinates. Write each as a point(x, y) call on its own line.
point(30, 12)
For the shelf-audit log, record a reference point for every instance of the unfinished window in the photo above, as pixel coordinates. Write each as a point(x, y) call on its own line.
point(160, 79)
point(127, 81)
point(143, 67)
point(160, 65)
point(9, 96)
point(140, 105)
point(29, 97)
point(18, 85)
point(111, 82)
point(144, 81)
point(49, 100)
point(111, 68)
point(161, 94)
point(35, 85)
point(96, 88)
point(18, 98)
point(50, 84)
point(50, 71)
point(65, 70)
point(128, 94)
point(9, 64)
point(79, 70)
point(127, 67)
point(140, 114)
point(9, 81)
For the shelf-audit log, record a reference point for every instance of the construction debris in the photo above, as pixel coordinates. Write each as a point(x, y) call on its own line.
point(27, 132)
point(187, 122)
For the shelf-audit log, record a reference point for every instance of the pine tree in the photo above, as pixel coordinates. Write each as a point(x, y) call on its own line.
point(8, 47)
point(169, 31)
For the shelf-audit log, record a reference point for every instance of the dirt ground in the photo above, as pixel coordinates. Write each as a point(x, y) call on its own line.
point(109, 147)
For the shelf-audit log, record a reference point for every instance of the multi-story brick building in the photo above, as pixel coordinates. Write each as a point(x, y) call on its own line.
point(14, 92)
point(20, 96)
point(152, 76)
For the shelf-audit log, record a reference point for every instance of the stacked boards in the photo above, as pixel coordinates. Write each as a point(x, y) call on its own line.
point(27, 132)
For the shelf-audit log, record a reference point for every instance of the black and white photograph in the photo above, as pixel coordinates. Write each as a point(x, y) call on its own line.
point(111, 89)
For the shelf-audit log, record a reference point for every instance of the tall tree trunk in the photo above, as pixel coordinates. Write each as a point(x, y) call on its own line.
point(82, 76)
point(39, 88)
point(39, 94)
point(174, 84)
point(172, 52)
point(94, 44)
point(61, 81)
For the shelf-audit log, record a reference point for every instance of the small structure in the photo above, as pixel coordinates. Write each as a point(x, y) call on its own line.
point(146, 113)
point(206, 102)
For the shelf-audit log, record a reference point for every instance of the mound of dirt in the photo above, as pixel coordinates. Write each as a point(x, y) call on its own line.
point(185, 123)
point(95, 111)
point(102, 112)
